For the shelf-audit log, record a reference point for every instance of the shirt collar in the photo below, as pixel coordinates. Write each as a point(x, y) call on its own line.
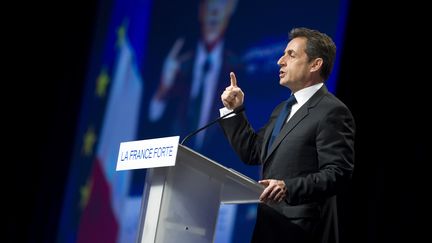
point(303, 95)
point(214, 54)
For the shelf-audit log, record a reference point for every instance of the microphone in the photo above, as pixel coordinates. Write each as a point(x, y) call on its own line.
point(237, 110)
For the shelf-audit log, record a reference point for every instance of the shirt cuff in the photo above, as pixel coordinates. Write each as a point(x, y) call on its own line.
point(224, 110)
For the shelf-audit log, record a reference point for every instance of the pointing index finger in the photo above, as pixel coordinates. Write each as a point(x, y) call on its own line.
point(233, 79)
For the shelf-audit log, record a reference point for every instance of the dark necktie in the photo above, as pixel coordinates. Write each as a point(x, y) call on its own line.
point(194, 109)
point(281, 119)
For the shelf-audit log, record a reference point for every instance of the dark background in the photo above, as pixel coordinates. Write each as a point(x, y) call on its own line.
point(381, 80)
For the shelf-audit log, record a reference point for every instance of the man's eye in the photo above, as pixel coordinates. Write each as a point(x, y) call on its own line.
point(290, 53)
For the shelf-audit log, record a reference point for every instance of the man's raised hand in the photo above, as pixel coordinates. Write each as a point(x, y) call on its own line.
point(233, 96)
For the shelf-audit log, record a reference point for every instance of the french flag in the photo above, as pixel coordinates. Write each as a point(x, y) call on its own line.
point(111, 215)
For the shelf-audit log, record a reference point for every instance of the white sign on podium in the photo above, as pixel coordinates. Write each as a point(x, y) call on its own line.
point(149, 153)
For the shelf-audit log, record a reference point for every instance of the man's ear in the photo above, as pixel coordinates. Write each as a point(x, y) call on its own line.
point(316, 64)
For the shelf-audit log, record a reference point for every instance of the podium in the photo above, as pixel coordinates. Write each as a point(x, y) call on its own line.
point(181, 203)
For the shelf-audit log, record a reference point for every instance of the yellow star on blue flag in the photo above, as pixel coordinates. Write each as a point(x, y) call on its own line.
point(102, 82)
point(85, 192)
point(89, 141)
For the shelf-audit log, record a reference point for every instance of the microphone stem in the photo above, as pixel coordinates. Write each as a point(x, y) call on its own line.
point(239, 109)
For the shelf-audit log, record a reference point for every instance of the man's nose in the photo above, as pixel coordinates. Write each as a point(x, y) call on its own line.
point(280, 61)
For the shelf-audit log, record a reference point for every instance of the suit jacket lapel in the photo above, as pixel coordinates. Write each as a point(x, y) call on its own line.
point(287, 128)
point(267, 135)
point(294, 121)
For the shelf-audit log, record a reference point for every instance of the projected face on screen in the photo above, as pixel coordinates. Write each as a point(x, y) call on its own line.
point(214, 16)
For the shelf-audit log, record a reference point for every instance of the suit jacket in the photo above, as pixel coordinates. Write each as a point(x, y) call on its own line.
point(313, 154)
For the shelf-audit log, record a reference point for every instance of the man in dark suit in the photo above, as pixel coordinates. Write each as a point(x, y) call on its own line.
point(190, 84)
point(311, 156)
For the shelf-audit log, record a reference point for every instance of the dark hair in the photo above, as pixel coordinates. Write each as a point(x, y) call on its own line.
point(318, 45)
